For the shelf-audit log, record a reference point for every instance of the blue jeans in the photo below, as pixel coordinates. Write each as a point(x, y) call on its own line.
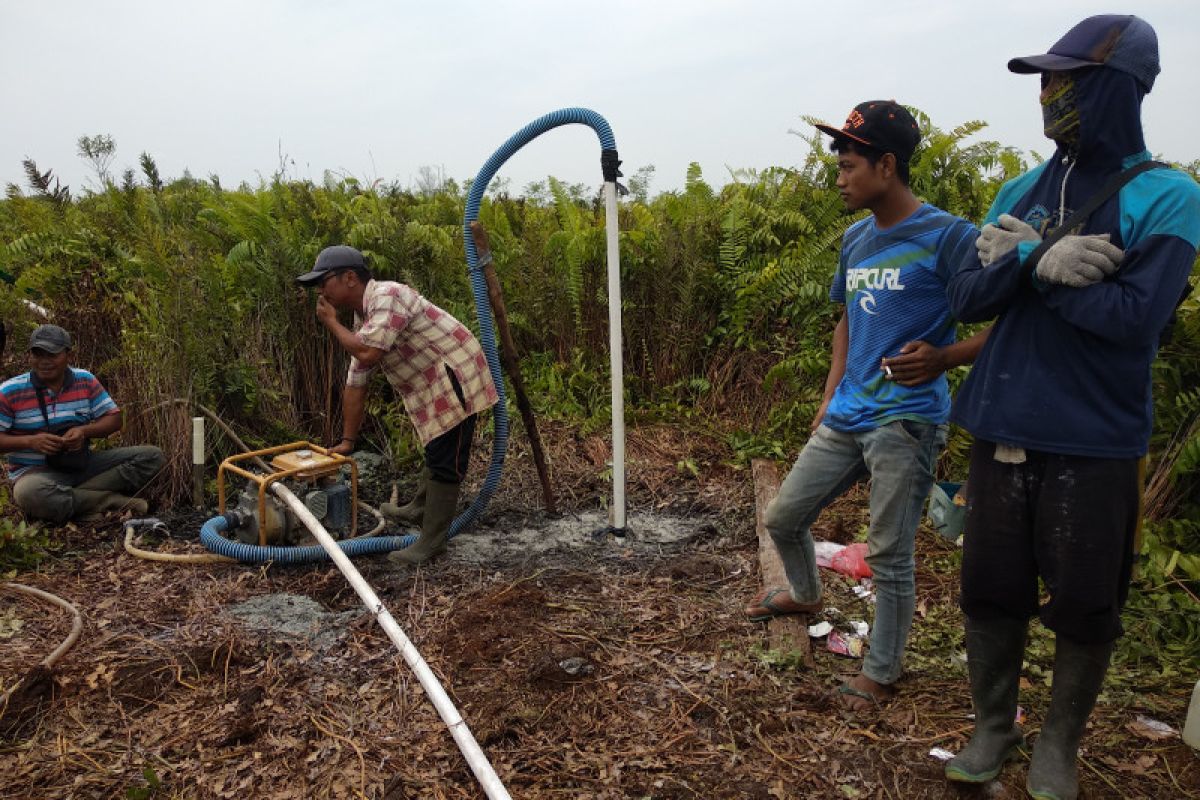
point(899, 457)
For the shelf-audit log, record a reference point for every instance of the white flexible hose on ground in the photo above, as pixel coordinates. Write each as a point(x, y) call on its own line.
point(76, 627)
point(463, 737)
point(172, 558)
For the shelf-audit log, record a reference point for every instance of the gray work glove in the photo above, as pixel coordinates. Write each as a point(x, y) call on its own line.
point(1001, 236)
point(1079, 260)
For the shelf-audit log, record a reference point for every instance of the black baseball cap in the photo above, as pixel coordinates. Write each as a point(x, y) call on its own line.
point(50, 338)
point(883, 125)
point(330, 260)
point(1121, 41)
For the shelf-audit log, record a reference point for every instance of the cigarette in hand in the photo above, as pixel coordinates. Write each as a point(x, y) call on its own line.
point(887, 371)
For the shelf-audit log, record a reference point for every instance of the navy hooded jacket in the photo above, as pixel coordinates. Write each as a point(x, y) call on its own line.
point(1067, 370)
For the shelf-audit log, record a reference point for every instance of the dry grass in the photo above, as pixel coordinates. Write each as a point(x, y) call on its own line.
point(681, 700)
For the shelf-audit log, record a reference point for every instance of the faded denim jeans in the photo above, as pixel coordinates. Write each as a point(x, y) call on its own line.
point(899, 457)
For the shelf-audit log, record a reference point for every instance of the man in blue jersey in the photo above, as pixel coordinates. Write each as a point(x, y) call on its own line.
point(1060, 398)
point(886, 401)
point(48, 416)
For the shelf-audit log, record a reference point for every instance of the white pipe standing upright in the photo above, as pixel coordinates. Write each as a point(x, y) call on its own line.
point(476, 759)
point(615, 357)
point(198, 461)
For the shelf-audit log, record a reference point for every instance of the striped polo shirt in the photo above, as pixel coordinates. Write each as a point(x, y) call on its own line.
point(81, 400)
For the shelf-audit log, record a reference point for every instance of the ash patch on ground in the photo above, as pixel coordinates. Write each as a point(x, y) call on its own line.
point(293, 617)
point(589, 531)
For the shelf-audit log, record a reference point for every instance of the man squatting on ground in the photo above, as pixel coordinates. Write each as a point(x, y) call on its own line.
point(430, 359)
point(47, 417)
point(886, 400)
point(1059, 400)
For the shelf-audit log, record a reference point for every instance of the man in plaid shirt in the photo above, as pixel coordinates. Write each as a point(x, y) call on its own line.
point(431, 360)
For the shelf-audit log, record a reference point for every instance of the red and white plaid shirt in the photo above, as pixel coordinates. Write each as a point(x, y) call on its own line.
point(419, 341)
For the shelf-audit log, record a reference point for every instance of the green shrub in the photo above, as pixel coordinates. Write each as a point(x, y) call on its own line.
point(22, 546)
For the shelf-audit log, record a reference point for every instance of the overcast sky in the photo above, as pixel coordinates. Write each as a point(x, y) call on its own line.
point(378, 89)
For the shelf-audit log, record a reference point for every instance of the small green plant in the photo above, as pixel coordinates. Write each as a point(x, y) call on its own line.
point(747, 445)
point(153, 784)
point(778, 659)
point(22, 546)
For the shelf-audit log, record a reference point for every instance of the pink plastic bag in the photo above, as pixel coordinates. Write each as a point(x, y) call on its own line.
point(844, 644)
point(851, 560)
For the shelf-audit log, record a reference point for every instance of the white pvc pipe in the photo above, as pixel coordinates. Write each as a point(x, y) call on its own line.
point(615, 357)
point(198, 441)
point(198, 462)
point(478, 762)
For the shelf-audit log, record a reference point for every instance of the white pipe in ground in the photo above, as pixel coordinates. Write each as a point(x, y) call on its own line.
point(478, 762)
point(615, 358)
point(198, 462)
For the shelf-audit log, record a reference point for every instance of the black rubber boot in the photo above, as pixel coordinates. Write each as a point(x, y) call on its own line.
point(441, 501)
point(1079, 671)
point(995, 648)
point(412, 512)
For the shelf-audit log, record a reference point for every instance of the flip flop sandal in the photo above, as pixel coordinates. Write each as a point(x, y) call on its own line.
point(774, 610)
point(847, 689)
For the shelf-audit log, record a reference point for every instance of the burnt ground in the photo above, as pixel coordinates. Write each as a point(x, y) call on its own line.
point(586, 667)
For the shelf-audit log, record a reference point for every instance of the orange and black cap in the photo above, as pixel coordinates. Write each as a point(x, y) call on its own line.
point(882, 125)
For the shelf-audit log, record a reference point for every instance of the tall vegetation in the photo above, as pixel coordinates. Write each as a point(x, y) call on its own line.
point(184, 288)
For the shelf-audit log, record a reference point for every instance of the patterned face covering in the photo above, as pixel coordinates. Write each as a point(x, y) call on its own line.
point(1060, 114)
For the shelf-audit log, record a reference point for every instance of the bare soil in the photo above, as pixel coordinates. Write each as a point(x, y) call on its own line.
point(587, 666)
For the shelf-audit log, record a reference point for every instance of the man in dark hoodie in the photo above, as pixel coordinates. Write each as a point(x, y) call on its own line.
point(1059, 399)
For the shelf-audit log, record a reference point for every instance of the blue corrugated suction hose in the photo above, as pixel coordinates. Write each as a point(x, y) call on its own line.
point(210, 537)
point(210, 533)
point(483, 306)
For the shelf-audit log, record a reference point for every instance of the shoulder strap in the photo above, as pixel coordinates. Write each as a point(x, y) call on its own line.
point(1110, 187)
point(41, 396)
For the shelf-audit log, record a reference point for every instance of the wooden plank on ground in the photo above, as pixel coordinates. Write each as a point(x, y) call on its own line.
point(789, 632)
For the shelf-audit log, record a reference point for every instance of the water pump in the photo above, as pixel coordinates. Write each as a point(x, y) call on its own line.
point(309, 471)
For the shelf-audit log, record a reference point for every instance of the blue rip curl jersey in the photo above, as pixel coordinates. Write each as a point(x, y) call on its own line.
point(893, 284)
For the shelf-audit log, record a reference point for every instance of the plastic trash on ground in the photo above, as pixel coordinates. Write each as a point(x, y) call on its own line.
point(825, 551)
point(948, 509)
point(852, 561)
point(820, 629)
point(1149, 728)
point(864, 591)
point(844, 644)
point(1191, 725)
